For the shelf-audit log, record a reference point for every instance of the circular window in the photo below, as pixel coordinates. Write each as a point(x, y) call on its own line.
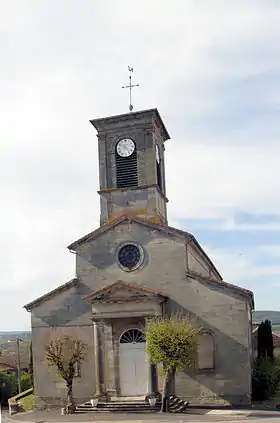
point(132, 336)
point(130, 256)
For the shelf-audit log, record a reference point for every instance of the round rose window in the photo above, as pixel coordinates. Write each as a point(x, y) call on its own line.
point(129, 256)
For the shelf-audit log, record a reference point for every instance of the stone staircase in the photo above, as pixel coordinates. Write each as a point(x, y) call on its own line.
point(176, 405)
point(132, 406)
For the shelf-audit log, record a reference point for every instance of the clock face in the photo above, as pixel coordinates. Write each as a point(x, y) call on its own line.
point(157, 153)
point(125, 147)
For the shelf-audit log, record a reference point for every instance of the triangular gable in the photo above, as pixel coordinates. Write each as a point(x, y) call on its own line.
point(128, 218)
point(188, 237)
point(121, 291)
point(49, 294)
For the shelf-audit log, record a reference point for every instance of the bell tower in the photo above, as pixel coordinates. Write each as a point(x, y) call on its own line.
point(131, 165)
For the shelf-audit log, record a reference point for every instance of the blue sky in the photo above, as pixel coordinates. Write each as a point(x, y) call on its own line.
point(213, 70)
point(256, 248)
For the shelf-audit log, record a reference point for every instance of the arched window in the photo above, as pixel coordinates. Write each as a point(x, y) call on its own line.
point(206, 352)
point(132, 336)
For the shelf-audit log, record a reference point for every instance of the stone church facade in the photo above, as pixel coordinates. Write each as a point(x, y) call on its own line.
point(135, 266)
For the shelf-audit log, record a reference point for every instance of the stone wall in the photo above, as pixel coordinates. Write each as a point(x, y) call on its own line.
point(145, 130)
point(63, 314)
point(223, 312)
point(218, 309)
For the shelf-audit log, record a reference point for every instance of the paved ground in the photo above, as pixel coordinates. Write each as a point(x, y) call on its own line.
point(208, 416)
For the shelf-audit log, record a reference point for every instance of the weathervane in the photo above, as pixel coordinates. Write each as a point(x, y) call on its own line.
point(130, 86)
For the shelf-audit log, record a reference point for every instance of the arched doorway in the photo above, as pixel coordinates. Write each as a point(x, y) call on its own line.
point(134, 367)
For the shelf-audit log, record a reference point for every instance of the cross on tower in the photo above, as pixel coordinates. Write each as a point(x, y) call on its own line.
point(130, 86)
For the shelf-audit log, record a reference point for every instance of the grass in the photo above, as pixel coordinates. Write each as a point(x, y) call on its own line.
point(27, 402)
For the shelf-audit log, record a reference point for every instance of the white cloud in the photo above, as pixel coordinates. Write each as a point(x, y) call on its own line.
point(272, 250)
point(64, 62)
point(241, 266)
point(218, 180)
point(234, 265)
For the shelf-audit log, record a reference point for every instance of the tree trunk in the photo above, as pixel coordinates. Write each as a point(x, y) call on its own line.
point(70, 406)
point(168, 382)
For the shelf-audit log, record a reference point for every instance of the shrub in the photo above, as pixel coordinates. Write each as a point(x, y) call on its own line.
point(265, 379)
point(8, 386)
point(26, 381)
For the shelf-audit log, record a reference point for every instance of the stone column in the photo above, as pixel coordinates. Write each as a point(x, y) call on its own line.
point(96, 359)
point(152, 383)
point(110, 362)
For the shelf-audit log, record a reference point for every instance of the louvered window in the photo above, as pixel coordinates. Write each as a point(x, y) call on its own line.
point(159, 178)
point(127, 175)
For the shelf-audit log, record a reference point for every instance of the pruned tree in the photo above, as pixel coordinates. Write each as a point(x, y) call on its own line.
point(65, 353)
point(171, 341)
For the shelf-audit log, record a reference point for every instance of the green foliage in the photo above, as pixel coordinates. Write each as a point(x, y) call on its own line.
point(265, 379)
point(8, 386)
point(27, 403)
point(172, 341)
point(26, 381)
point(265, 341)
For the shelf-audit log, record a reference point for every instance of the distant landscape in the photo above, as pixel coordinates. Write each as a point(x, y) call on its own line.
point(13, 335)
point(273, 316)
point(8, 345)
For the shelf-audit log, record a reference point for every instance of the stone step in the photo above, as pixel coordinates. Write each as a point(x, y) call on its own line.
point(122, 403)
point(117, 407)
point(118, 410)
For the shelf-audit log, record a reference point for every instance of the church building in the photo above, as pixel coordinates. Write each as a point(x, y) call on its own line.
point(135, 266)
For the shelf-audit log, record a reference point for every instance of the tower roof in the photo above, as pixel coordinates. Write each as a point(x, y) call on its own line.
point(109, 122)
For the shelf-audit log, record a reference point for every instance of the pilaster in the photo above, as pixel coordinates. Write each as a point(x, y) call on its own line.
point(152, 382)
point(110, 361)
point(98, 359)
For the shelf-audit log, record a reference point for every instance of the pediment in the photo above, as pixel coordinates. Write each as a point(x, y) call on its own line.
point(167, 230)
point(121, 292)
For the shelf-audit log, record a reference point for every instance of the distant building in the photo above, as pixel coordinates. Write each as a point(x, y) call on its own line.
point(8, 364)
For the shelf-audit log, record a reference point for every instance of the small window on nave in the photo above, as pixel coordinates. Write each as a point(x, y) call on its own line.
point(206, 352)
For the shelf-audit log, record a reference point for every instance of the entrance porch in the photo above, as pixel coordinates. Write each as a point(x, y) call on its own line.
point(119, 313)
